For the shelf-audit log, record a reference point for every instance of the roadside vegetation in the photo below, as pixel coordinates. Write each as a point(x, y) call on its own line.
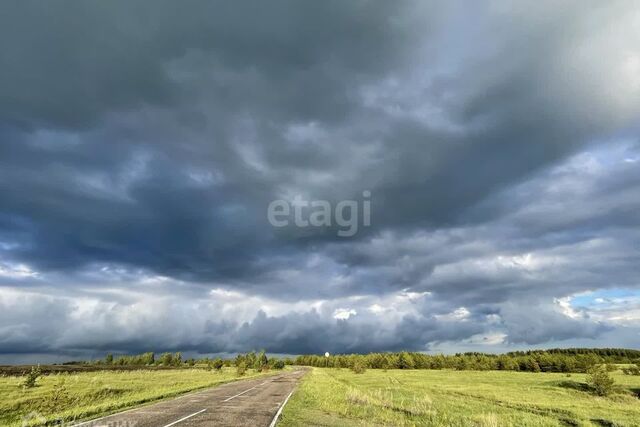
point(40, 396)
point(341, 397)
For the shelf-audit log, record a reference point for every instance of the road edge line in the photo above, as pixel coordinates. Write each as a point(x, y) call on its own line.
point(275, 418)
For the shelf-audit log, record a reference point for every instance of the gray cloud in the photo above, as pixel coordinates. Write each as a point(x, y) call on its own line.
point(141, 145)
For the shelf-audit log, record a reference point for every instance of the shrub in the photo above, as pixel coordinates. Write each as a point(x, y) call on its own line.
point(241, 368)
point(32, 377)
point(278, 364)
point(218, 364)
point(166, 359)
point(261, 362)
point(599, 380)
point(177, 359)
point(358, 367)
point(632, 370)
point(58, 398)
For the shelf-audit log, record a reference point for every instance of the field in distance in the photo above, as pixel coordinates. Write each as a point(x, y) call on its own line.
point(339, 397)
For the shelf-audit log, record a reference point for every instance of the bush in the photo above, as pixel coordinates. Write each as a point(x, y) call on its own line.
point(218, 364)
point(32, 377)
point(261, 362)
point(168, 359)
point(278, 364)
point(632, 370)
point(358, 367)
point(58, 398)
point(241, 368)
point(600, 381)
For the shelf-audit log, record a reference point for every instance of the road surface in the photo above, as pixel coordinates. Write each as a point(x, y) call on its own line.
point(253, 402)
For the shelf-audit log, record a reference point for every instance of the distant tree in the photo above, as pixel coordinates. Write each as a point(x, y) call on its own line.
point(262, 361)
point(177, 359)
point(109, 359)
point(148, 358)
point(166, 359)
point(632, 370)
point(31, 379)
point(358, 367)
point(599, 380)
point(405, 361)
point(241, 368)
point(532, 365)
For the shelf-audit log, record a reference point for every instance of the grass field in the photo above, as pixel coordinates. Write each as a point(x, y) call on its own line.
point(330, 397)
point(77, 396)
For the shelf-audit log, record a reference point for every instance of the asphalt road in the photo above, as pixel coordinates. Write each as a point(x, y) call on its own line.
point(253, 402)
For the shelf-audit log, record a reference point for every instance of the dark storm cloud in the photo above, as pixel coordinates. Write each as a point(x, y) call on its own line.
point(539, 324)
point(149, 139)
point(314, 99)
point(85, 62)
point(68, 65)
point(72, 327)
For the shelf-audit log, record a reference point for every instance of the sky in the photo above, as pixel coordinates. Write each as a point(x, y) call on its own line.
point(141, 145)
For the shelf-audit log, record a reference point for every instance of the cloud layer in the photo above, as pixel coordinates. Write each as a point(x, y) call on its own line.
point(140, 146)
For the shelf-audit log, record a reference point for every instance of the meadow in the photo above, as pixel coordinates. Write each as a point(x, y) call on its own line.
point(74, 396)
point(340, 397)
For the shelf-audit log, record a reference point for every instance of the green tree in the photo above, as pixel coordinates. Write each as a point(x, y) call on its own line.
point(148, 358)
point(31, 379)
point(241, 368)
point(166, 359)
point(599, 380)
point(262, 361)
point(405, 361)
point(358, 367)
point(177, 359)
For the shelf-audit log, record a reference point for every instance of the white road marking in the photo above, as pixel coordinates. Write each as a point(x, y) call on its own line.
point(275, 419)
point(185, 418)
point(246, 391)
point(91, 422)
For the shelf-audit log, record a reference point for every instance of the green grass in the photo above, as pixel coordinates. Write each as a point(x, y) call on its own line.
point(87, 395)
point(330, 397)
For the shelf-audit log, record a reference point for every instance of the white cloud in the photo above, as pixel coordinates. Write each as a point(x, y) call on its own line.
point(344, 313)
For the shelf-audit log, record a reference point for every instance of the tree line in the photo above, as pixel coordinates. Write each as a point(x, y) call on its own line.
point(552, 360)
point(252, 360)
point(555, 360)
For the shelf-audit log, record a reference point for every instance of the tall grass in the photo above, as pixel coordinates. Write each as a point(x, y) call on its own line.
point(67, 397)
point(332, 397)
